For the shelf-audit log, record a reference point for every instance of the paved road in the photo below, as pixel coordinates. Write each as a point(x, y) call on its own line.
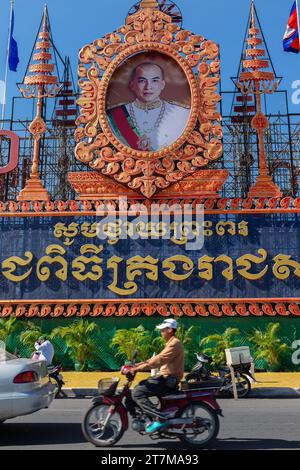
point(248, 424)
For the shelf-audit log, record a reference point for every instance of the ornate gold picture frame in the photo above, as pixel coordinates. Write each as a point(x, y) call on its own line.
point(195, 102)
point(201, 142)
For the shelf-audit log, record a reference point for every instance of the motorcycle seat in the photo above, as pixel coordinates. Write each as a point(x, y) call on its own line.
point(224, 369)
point(203, 385)
point(176, 394)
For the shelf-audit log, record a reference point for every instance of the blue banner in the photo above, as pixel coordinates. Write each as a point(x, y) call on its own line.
point(63, 258)
point(13, 58)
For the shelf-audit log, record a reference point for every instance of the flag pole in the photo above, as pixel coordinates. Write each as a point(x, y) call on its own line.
point(7, 63)
point(297, 8)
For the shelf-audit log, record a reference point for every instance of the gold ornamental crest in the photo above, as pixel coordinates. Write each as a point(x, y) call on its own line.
point(149, 102)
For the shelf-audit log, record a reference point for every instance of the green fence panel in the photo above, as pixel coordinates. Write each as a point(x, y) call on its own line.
point(106, 359)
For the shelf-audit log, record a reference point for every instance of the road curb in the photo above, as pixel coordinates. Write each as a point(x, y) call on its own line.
point(275, 392)
point(263, 392)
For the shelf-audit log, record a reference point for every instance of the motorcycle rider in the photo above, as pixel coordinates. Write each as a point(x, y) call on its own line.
point(45, 350)
point(171, 364)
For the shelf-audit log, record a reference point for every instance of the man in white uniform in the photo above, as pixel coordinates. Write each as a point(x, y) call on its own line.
point(148, 123)
point(45, 350)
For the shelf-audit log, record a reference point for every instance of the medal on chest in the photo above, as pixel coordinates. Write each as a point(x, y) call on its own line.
point(144, 143)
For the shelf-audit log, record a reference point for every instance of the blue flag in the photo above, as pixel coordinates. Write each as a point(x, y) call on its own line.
point(13, 58)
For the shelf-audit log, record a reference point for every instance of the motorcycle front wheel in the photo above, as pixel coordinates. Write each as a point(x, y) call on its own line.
point(205, 426)
point(94, 430)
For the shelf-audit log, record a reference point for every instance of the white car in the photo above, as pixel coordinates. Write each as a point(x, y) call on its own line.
point(24, 386)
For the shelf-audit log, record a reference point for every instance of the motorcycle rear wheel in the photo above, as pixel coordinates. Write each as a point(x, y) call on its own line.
point(243, 386)
point(208, 428)
point(92, 426)
point(58, 387)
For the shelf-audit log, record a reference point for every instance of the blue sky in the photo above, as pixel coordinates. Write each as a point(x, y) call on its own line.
point(77, 22)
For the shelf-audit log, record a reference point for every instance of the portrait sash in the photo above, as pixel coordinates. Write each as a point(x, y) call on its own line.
point(121, 122)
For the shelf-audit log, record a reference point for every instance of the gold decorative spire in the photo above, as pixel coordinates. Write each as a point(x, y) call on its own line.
point(39, 83)
point(257, 78)
point(149, 4)
point(41, 72)
point(256, 62)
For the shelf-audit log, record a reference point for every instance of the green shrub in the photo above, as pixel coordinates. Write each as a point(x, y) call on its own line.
point(9, 326)
point(30, 335)
point(79, 341)
point(218, 343)
point(269, 347)
point(128, 341)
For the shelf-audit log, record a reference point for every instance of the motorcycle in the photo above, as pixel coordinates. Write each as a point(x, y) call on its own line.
point(243, 376)
point(55, 376)
point(193, 415)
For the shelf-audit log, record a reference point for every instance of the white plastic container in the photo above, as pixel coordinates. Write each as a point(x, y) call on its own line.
point(154, 372)
point(237, 356)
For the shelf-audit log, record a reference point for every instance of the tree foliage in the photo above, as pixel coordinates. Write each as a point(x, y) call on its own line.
point(8, 326)
point(31, 334)
point(268, 345)
point(79, 340)
point(217, 344)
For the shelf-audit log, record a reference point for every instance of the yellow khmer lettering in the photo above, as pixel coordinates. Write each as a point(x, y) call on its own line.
point(281, 268)
point(68, 232)
point(89, 230)
point(124, 272)
point(137, 264)
point(205, 267)
point(129, 287)
point(44, 272)
point(11, 265)
point(79, 265)
point(228, 272)
point(170, 264)
point(207, 228)
point(243, 228)
point(245, 263)
point(224, 226)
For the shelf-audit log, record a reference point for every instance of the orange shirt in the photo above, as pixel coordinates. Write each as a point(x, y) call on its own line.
point(170, 361)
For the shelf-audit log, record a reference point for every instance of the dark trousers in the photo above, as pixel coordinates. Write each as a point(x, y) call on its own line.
point(153, 387)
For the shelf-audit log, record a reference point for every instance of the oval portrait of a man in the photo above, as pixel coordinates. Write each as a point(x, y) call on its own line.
point(148, 102)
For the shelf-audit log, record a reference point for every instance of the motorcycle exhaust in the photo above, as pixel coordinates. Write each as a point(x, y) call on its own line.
point(177, 421)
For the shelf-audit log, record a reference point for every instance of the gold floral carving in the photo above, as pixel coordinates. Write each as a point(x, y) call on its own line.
point(92, 185)
point(89, 207)
point(201, 142)
point(38, 127)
